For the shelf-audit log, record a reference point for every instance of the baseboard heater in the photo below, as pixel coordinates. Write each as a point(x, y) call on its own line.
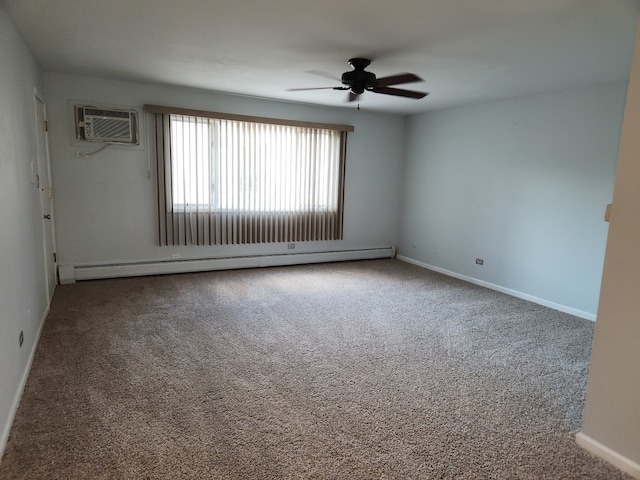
point(72, 273)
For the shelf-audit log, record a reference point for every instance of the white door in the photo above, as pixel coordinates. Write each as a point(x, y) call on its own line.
point(46, 196)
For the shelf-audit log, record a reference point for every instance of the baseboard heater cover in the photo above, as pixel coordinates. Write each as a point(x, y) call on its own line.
point(72, 273)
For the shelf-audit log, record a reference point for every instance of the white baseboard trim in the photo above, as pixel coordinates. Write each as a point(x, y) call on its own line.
point(608, 455)
point(498, 288)
point(6, 429)
point(72, 273)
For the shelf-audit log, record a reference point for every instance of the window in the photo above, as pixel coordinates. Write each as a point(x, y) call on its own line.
point(247, 179)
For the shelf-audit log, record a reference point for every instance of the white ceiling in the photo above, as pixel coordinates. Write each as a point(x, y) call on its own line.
point(466, 50)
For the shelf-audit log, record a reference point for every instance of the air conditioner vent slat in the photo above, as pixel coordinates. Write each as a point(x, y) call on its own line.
point(110, 128)
point(106, 113)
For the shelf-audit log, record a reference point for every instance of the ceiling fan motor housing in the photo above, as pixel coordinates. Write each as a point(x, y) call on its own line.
point(358, 79)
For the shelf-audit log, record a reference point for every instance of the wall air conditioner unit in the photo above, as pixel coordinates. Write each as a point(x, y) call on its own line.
point(97, 124)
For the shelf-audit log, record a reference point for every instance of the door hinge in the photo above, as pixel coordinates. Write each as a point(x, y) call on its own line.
point(46, 126)
point(55, 257)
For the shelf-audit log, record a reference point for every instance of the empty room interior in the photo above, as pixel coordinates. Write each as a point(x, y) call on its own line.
point(320, 239)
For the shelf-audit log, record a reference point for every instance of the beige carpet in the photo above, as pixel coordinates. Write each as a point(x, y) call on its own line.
point(358, 370)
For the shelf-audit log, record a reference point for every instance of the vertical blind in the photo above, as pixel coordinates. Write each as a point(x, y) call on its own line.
point(241, 180)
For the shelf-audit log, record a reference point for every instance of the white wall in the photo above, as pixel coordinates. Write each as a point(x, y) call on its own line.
point(105, 204)
point(611, 418)
point(522, 184)
point(23, 295)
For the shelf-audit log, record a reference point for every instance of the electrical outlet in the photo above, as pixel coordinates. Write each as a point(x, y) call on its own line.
point(479, 261)
point(291, 246)
point(21, 338)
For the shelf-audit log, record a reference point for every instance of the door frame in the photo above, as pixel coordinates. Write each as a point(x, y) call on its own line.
point(49, 263)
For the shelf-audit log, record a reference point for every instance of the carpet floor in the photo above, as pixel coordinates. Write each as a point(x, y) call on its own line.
point(356, 370)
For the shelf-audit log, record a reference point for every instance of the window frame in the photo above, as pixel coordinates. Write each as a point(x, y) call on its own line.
point(238, 225)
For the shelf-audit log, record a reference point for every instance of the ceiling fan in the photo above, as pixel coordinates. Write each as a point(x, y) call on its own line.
point(358, 80)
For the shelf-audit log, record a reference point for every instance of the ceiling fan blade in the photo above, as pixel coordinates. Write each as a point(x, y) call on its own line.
point(398, 79)
point(399, 92)
point(316, 88)
point(313, 88)
point(323, 74)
